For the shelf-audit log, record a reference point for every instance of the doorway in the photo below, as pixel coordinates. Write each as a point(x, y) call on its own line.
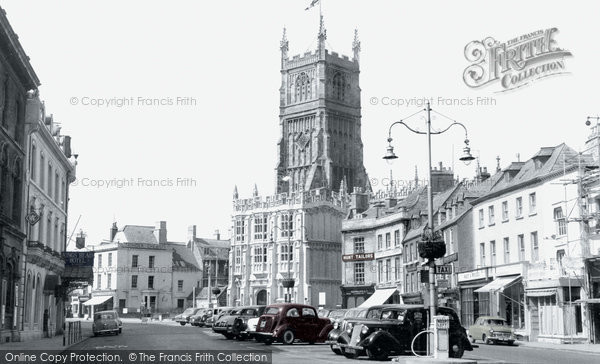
point(261, 297)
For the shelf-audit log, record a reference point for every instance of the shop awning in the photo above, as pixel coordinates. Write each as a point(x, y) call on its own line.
point(498, 284)
point(97, 300)
point(541, 292)
point(379, 297)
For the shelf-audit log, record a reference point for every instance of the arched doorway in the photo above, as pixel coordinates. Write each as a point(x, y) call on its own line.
point(261, 297)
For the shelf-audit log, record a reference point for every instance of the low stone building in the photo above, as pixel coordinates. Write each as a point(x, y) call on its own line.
point(138, 271)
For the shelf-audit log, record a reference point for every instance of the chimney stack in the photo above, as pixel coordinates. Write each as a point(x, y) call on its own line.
point(359, 201)
point(160, 232)
point(113, 231)
point(191, 233)
point(217, 235)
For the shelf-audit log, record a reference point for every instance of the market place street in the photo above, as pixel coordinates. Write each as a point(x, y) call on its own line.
point(170, 335)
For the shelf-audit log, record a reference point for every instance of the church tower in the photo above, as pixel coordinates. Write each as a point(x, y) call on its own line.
point(320, 141)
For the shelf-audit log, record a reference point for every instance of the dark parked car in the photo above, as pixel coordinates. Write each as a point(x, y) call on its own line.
point(184, 317)
point(288, 322)
point(224, 324)
point(106, 322)
point(390, 330)
point(199, 319)
point(240, 322)
point(350, 316)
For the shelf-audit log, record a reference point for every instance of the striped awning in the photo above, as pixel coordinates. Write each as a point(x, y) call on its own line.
point(541, 292)
point(97, 300)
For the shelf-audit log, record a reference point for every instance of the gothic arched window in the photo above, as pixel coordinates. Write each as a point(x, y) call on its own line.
point(339, 86)
point(303, 90)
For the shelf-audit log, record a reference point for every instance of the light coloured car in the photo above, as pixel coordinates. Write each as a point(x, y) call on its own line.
point(491, 330)
point(251, 323)
point(107, 322)
point(184, 317)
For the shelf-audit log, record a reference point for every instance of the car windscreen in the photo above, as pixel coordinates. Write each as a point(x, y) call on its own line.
point(249, 312)
point(104, 316)
point(373, 313)
point(496, 322)
point(189, 311)
point(336, 314)
point(362, 314)
point(271, 311)
point(393, 314)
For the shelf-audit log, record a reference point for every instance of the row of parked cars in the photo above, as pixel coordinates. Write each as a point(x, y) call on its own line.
point(376, 332)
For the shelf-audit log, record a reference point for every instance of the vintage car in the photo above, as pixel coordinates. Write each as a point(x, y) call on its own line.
point(491, 330)
point(240, 327)
point(340, 326)
point(390, 330)
point(224, 324)
point(288, 322)
point(336, 315)
point(184, 317)
point(106, 322)
point(199, 318)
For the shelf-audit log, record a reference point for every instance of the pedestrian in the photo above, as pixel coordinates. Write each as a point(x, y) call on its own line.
point(45, 324)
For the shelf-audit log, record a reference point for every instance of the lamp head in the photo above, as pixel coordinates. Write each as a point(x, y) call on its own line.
point(389, 154)
point(466, 157)
point(588, 122)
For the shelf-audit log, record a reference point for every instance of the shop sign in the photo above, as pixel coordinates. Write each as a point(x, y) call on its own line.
point(358, 257)
point(472, 275)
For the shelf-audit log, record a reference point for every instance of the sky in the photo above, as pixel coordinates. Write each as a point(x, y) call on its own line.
point(171, 104)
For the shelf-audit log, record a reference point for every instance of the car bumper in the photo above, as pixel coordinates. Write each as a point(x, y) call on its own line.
point(106, 330)
point(222, 329)
point(502, 338)
point(264, 334)
point(353, 347)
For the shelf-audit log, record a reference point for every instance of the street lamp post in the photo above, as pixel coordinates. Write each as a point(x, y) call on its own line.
point(287, 282)
point(428, 248)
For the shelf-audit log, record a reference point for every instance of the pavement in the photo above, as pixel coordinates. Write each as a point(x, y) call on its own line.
point(50, 343)
point(583, 348)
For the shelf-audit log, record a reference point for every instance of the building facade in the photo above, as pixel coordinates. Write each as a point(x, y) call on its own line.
point(50, 171)
point(139, 272)
point(289, 245)
point(18, 78)
point(528, 248)
point(212, 256)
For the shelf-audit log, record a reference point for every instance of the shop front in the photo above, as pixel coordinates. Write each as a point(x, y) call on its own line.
point(472, 303)
point(354, 295)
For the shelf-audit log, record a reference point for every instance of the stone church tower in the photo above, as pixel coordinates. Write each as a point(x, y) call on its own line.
point(320, 122)
point(288, 246)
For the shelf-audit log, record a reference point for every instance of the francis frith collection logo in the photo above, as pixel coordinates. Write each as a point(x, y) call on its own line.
point(514, 63)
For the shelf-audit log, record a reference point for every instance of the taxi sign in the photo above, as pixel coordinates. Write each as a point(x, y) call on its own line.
point(443, 269)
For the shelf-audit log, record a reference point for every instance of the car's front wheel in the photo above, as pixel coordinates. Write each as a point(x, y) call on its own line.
point(288, 337)
point(486, 340)
point(377, 352)
point(457, 351)
point(182, 323)
point(337, 351)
